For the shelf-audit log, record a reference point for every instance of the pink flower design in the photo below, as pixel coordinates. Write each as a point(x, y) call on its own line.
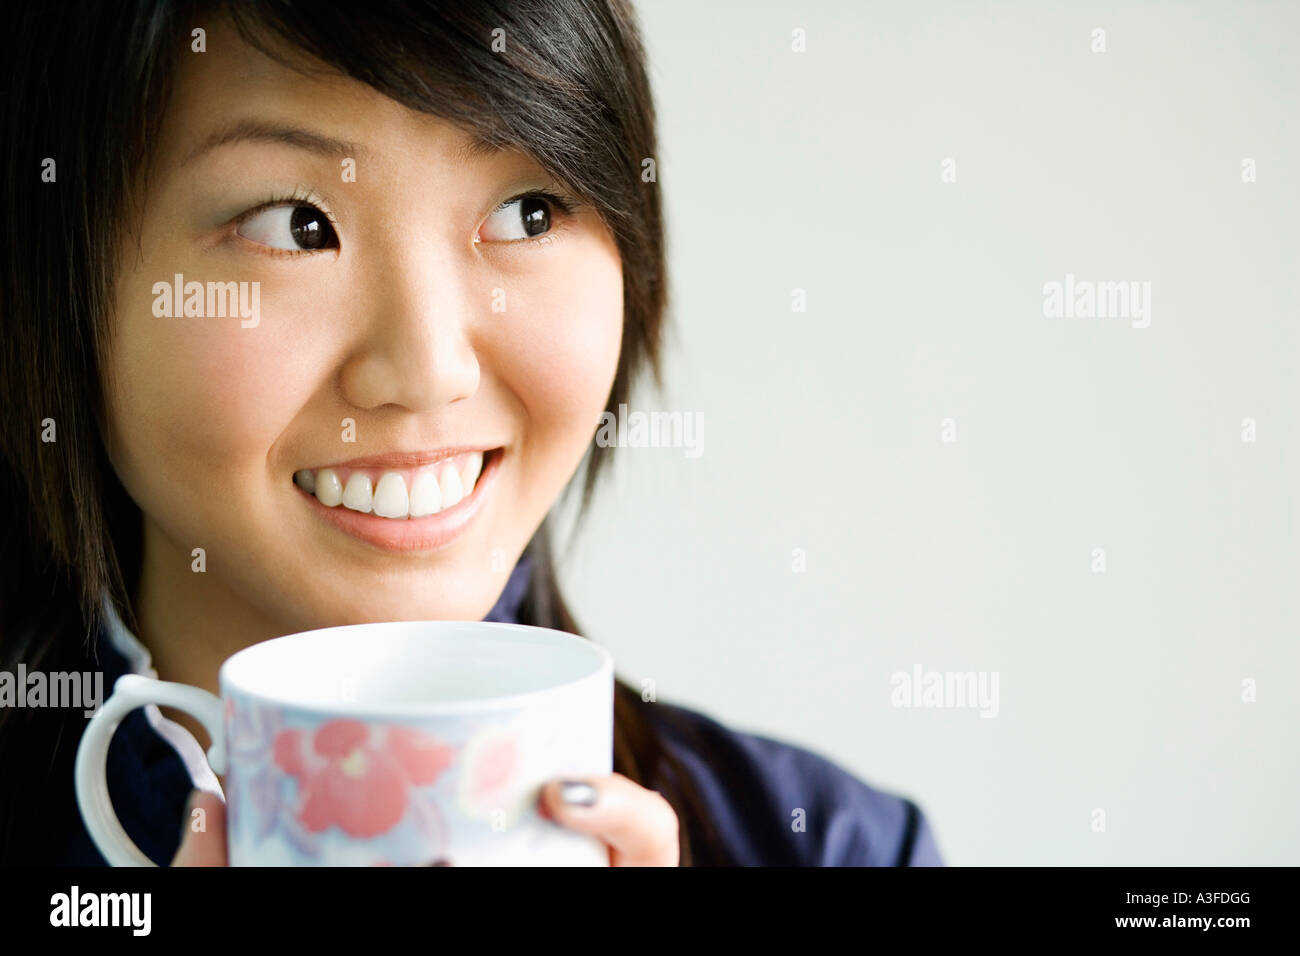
point(493, 775)
point(356, 777)
point(492, 771)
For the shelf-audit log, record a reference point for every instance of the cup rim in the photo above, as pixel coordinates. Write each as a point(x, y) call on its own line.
point(602, 673)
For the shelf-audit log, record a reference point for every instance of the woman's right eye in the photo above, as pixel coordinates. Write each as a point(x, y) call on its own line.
point(297, 228)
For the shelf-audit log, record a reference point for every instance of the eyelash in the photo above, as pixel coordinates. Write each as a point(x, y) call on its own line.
point(302, 196)
point(566, 208)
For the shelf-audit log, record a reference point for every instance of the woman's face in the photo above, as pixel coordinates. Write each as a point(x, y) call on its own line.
point(394, 313)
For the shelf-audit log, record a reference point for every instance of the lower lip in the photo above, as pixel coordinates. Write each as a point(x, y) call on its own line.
point(412, 535)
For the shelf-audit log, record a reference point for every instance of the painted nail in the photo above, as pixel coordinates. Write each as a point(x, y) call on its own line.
point(577, 793)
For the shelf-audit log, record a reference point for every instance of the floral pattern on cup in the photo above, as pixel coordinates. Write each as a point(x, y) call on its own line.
point(250, 734)
point(304, 789)
point(492, 779)
point(358, 776)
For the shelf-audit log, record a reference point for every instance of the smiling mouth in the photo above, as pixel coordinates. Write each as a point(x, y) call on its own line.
point(398, 494)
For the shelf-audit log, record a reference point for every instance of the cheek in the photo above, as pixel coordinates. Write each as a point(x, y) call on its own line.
point(561, 352)
point(196, 403)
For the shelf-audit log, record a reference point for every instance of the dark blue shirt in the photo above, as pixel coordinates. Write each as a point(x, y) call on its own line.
point(775, 804)
point(768, 802)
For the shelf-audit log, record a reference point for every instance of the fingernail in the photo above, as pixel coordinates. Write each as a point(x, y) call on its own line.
point(577, 793)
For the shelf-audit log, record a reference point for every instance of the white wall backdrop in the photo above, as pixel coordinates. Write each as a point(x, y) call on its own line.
point(970, 545)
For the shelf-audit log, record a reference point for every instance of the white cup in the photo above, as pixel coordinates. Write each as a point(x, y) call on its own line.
point(404, 743)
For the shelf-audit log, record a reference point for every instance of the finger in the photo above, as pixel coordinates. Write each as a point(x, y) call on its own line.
point(639, 825)
point(203, 831)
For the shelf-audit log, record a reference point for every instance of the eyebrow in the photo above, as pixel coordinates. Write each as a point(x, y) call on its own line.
point(259, 131)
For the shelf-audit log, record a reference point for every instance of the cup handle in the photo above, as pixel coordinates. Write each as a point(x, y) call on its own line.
point(132, 691)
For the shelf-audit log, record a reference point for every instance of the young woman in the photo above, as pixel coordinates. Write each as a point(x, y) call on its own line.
point(447, 265)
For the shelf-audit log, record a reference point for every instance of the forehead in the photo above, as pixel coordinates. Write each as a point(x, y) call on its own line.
point(232, 89)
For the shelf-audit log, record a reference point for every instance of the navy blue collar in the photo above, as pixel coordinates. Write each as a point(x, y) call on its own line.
point(506, 610)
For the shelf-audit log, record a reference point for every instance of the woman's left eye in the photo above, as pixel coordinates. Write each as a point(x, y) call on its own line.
point(524, 217)
point(297, 228)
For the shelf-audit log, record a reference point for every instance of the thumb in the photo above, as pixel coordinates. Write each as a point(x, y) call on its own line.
point(203, 831)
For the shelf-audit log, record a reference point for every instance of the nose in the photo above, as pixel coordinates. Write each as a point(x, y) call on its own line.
point(416, 351)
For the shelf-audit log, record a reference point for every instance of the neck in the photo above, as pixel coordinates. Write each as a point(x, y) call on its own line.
point(191, 621)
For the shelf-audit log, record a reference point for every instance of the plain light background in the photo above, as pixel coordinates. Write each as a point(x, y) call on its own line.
point(1120, 691)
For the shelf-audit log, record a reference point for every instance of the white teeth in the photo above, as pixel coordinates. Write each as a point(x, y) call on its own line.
point(329, 490)
point(426, 497)
point(434, 488)
point(390, 496)
point(357, 495)
point(449, 483)
point(472, 469)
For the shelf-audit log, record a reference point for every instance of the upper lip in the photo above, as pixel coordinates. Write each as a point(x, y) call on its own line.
point(407, 459)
